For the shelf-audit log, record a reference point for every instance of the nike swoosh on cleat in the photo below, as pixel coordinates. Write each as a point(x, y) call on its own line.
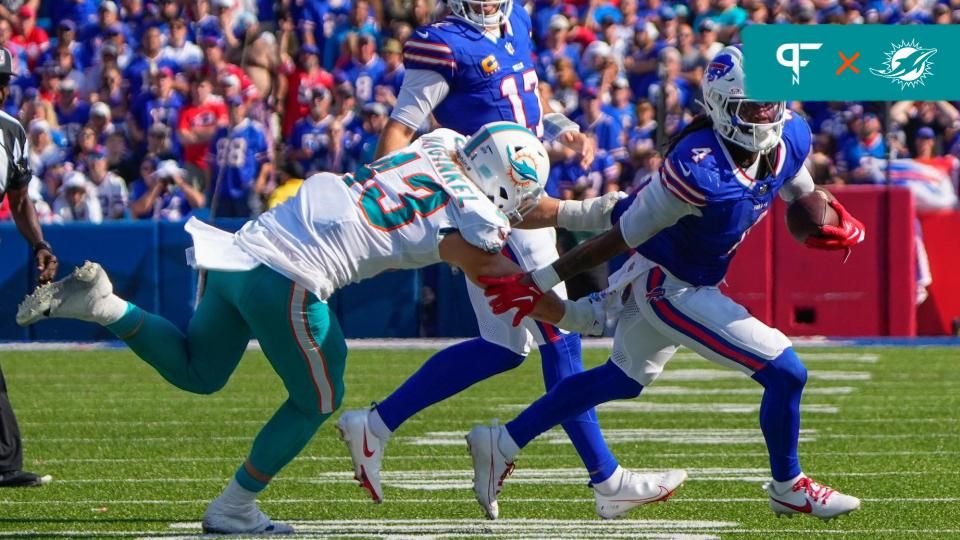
point(806, 509)
point(366, 449)
point(663, 493)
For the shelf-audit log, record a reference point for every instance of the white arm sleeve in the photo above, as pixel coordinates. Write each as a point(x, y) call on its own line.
point(421, 92)
point(798, 186)
point(653, 210)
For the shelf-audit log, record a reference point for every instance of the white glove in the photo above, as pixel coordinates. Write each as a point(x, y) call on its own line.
point(588, 315)
point(589, 215)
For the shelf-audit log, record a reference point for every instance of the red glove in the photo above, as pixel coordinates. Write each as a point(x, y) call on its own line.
point(847, 234)
point(509, 292)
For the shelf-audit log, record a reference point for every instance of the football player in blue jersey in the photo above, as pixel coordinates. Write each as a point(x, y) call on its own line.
point(469, 68)
point(718, 179)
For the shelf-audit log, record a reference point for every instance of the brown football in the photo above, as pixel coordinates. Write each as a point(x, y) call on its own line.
point(807, 214)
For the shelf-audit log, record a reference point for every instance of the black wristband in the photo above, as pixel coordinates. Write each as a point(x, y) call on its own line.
point(43, 244)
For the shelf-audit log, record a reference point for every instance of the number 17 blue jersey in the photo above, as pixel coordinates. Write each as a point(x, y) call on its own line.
point(490, 79)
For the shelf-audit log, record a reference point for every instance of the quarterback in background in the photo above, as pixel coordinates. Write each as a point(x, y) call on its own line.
point(469, 68)
point(443, 198)
point(718, 179)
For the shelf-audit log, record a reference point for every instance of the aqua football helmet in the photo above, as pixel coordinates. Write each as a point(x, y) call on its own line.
point(509, 164)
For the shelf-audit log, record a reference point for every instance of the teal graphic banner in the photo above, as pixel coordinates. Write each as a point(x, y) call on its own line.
point(874, 62)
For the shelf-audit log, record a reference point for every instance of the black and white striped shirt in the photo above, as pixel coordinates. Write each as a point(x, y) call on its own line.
point(14, 163)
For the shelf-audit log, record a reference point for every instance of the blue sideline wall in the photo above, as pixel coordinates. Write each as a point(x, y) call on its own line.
point(146, 263)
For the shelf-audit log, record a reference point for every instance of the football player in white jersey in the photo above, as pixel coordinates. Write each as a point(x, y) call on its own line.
point(443, 198)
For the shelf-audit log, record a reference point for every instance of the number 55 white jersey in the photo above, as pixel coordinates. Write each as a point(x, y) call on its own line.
point(390, 214)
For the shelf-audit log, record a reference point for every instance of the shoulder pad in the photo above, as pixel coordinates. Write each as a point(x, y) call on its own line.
point(429, 47)
point(691, 171)
point(482, 225)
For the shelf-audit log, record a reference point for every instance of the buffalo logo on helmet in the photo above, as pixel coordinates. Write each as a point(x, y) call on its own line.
point(719, 67)
point(523, 168)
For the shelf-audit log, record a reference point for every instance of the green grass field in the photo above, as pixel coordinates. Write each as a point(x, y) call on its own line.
point(133, 456)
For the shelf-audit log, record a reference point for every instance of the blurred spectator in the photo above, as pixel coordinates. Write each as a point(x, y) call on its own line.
point(17, 52)
point(389, 88)
point(63, 62)
point(100, 121)
point(160, 141)
point(556, 46)
point(365, 70)
point(75, 203)
point(567, 85)
point(43, 152)
point(66, 40)
point(693, 59)
point(914, 115)
point(641, 64)
point(198, 123)
point(72, 113)
point(926, 152)
point(240, 164)
point(164, 194)
point(641, 137)
point(300, 81)
point(147, 61)
point(310, 143)
point(620, 107)
point(363, 146)
point(107, 187)
point(868, 142)
point(161, 106)
point(31, 37)
point(119, 157)
point(605, 128)
point(186, 55)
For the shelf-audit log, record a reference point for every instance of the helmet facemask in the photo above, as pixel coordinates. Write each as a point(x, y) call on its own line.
point(754, 125)
point(484, 13)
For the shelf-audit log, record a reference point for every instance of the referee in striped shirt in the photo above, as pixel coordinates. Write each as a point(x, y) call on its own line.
point(14, 177)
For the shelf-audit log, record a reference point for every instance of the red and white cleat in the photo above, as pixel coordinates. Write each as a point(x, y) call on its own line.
point(366, 450)
point(811, 498)
point(638, 489)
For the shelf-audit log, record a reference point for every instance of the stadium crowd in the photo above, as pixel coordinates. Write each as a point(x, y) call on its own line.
point(148, 109)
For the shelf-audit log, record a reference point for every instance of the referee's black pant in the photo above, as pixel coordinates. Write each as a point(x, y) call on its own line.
point(11, 450)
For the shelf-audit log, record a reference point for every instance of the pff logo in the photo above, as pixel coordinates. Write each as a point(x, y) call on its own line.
point(794, 62)
point(907, 64)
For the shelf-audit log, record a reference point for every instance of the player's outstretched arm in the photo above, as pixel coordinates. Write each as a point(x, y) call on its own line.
point(475, 263)
point(587, 215)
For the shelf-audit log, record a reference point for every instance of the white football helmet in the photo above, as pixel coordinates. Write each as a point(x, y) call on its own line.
point(754, 125)
point(485, 13)
point(509, 164)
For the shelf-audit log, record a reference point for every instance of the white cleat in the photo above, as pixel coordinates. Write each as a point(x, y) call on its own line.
point(222, 518)
point(366, 450)
point(811, 498)
point(638, 489)
point(490, 467)
point(82, 295)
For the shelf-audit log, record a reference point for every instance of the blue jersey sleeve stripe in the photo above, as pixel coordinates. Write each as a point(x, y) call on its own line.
point(680, 179)
point(421, 59)
point(680, 191)
point(425, 45)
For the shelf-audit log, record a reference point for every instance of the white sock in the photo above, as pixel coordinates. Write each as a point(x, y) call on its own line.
point(110, 310)
point(236, 495)
point(378, 427)
point(610, 485)
point(507, 446)
point(782, 487)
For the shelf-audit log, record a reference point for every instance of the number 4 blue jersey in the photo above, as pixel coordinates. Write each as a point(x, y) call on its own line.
point(700, 171)
point(490, 79)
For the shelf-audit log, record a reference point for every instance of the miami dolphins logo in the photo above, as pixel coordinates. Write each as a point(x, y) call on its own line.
point(907, 64)
point(522, 170)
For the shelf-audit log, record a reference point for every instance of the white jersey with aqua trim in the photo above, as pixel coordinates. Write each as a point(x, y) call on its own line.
point(389, 214)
